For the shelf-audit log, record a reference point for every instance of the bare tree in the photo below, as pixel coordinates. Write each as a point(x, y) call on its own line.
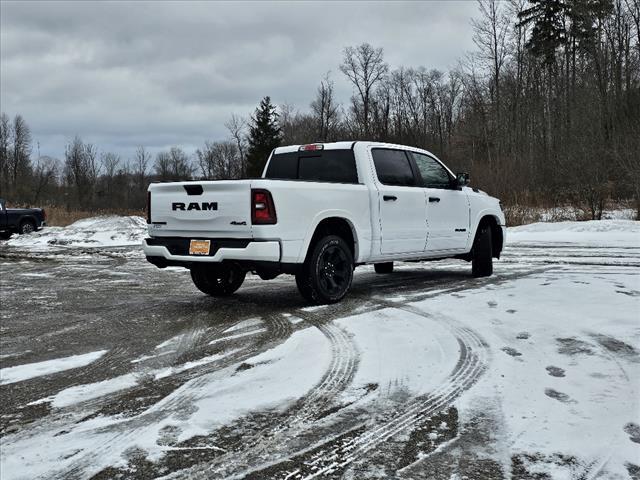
point(110, 162)
point(173, 165)
point(220, 160)
point(91, 159)
point(45, 172)
point(490, 34)
point(20, 161)
point(365, 67)
point(140, 166)
point(80, 171)
point(162, 166)
point(237, 127)
point(296, 127)
point(5, 152)
point(325, 109)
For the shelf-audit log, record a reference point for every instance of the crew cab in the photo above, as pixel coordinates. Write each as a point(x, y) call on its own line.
point(317, 212)
point(20, 220)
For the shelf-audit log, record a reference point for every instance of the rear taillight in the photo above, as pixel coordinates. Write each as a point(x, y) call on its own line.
point(148, 207)
point(263, 211)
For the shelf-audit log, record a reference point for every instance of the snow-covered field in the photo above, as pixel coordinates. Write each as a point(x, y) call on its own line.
point(120, 370)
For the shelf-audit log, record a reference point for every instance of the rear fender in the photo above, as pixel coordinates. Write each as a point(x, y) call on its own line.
point(341, 214)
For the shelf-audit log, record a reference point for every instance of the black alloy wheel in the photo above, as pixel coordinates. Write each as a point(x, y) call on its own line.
point(327, 274)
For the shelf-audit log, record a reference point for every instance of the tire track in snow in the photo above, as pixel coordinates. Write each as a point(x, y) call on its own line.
point(339, 374)
point(330, 457)
point(343, 366)
point(125, 432)
point(326, 458)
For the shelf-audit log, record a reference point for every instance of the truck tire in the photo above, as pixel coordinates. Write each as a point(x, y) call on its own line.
point(217, 280)
point(482, 254)
point(304, 286)
point(327, 274)
point(5, 235)
point(386, 267)
point(26, 227)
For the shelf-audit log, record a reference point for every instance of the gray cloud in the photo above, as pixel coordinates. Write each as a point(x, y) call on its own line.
point(163, 73)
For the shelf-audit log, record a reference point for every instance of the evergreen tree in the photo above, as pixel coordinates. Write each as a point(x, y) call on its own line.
point(264, 136)
point(549, 31)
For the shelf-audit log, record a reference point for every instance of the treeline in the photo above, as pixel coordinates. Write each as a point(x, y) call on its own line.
point(545, 111)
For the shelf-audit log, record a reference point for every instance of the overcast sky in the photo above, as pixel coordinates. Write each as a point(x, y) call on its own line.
point(121, 74)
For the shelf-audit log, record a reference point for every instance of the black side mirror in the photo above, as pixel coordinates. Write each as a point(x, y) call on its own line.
point(462, 179)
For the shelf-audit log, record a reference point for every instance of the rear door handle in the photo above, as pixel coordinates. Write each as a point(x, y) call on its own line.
point(434, 199)
point(391, 198)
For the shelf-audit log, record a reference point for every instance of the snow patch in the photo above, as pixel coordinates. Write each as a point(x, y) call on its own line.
point(112, 231)
point(81, 393)
point(189, 365)
point(250, 322)
point(39, 369)
point(237, 335)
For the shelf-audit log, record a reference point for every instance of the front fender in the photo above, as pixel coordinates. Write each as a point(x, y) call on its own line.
point(478, 215)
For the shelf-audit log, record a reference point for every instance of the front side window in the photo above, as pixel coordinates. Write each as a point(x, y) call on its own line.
point(434, 175)
point(393, 167)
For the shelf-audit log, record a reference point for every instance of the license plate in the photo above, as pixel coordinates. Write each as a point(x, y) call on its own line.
point(199, 247)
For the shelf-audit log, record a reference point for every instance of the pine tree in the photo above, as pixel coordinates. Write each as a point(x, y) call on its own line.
point(264, 136)
point(549, 31)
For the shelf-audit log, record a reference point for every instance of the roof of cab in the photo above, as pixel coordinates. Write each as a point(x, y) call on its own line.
point(349, 145)
point(327, 146)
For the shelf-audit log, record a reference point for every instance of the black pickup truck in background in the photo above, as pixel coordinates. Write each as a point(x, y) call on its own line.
point(20, 220)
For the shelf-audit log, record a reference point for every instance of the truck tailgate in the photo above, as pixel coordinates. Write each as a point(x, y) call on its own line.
point(203, 209)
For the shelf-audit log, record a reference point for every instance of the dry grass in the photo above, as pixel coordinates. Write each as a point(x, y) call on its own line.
point(61, 217)
point(524, 214)
point(521, 215)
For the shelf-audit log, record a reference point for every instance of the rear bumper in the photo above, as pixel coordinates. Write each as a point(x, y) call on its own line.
point(174, 251)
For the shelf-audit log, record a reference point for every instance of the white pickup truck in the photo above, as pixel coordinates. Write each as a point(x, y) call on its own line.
point(319, 211)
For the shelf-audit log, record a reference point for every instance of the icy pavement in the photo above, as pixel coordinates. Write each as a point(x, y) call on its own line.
point(423, 373)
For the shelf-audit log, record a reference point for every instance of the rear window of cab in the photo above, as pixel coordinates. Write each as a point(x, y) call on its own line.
point(332, 166)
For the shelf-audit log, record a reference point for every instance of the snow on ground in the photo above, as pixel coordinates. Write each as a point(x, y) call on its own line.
point(613, 233)
point(565, 373)
point(111, 231)
point(32, 370)
point(399, 350)
point(90, 391)
point(555, 364)
point(272, 379)
point(250, 322)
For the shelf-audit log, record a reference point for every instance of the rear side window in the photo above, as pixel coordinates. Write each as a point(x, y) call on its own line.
point(333, 166)
point(283, 166)
point(393, 167)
